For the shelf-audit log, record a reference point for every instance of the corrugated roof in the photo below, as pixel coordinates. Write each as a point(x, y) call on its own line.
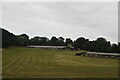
point(48, 46)
point(102, 53)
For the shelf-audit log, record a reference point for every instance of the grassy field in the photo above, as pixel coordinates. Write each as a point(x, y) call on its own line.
point(42, 63)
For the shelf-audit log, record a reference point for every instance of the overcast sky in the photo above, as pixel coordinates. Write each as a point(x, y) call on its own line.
point(67, 19)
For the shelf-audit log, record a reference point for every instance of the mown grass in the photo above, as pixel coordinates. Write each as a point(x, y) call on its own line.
point(43, 63)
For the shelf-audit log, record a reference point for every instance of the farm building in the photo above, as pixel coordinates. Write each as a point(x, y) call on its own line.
point(49, 47)
point(98, 54)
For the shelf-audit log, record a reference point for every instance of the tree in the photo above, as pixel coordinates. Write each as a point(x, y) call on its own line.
point(115, 48)
point(61, 41)
point(102, 45)
point(118, 47)
point(80, 43)
point(54, 41)
point(8, 39)
point(34, 41)
point(99, 45)
point(23, 40)
point(44, 41)
point(86, 44)
point(91, 46)
point(69, 42)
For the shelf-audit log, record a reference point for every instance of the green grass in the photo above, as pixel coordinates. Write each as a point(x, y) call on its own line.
point(42, 63)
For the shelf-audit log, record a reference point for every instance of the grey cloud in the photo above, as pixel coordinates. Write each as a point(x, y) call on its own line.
point(73, 20)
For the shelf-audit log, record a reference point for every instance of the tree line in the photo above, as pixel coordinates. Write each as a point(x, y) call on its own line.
point(99, 45)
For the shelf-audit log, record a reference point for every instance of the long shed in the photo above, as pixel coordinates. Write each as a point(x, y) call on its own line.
point(100, 54)
point(48, 47)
